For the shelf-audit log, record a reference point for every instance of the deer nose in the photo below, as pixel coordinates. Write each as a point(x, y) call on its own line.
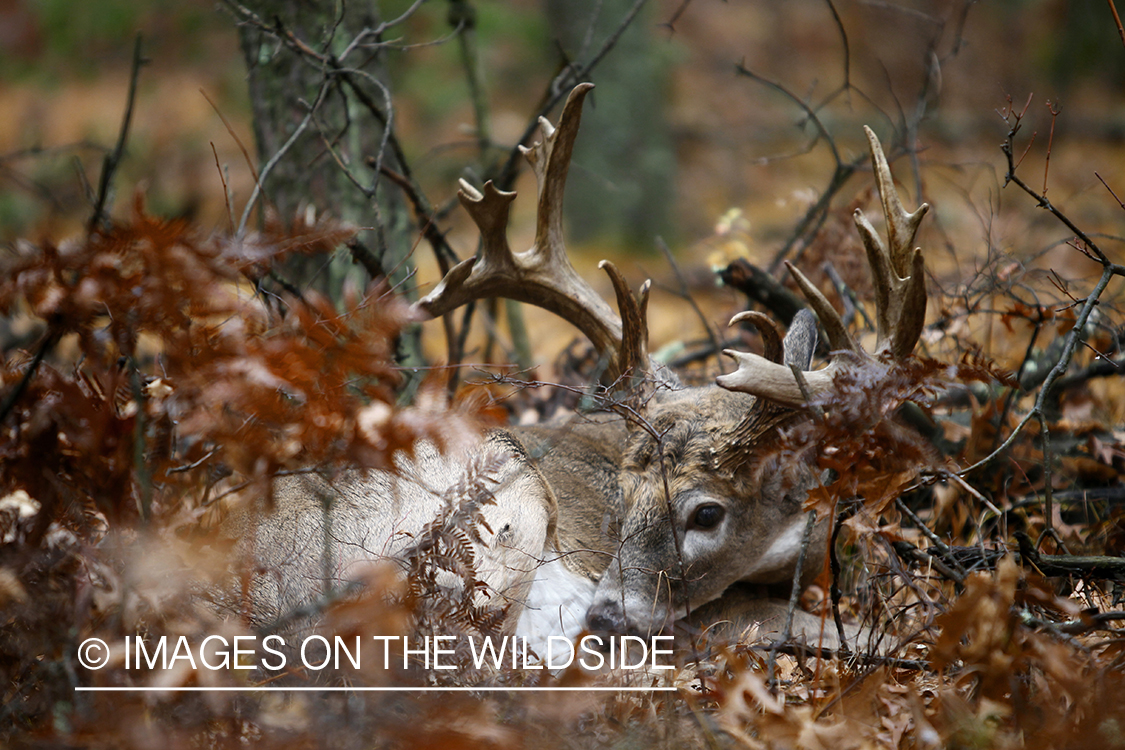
point(607, 617)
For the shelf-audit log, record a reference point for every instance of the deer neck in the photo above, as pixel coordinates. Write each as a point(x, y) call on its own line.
point(580, 460)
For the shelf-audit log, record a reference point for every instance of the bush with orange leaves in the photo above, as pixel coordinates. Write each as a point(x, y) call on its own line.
point(178, 366)
point(160, 365)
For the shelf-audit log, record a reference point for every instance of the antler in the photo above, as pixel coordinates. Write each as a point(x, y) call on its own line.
point(900, 302)
point(543, 275)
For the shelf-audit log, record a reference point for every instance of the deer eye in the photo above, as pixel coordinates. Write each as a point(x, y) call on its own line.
point(707, 516)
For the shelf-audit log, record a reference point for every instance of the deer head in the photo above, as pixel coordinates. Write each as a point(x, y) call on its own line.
point(703, 497)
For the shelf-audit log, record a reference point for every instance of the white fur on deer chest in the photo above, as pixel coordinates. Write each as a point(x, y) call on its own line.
point(557, 603)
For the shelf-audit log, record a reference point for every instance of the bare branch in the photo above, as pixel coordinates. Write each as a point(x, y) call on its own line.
point(113, 158)
point(276, 158)
point(1117, 20)
point(1050, 141)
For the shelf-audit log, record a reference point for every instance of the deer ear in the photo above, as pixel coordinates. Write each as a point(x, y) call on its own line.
point(800, 342)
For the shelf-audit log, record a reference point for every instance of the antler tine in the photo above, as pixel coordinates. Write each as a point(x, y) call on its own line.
point(541, 275)
point(550, 160)
point(767, 377)
point(489, 211)
point(898, 271)
point(632, 356)
point(898, 267)
point(839, 339)
point(767, 329)
point(773, 381)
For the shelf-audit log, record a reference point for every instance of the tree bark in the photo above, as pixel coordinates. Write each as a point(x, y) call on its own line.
point(284, 85)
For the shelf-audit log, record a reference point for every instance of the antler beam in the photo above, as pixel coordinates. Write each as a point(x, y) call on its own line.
point(543, 275)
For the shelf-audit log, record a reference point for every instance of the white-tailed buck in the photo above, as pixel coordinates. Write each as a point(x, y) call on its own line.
point(670, 500)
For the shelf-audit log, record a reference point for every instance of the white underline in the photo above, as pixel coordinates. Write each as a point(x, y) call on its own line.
point(366, 689)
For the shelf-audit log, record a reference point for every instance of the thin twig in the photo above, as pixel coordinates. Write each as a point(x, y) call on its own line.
point(834, 593)
point(810, 113)
point(32, 152)
point(226, 187)
point(1048, 478)
point(1046, 204)
point(847, 45)
point(560, 88)
point(670, 24)
point(1117, 20)
point(1050, 141)
point(238, 141)
point(1013, 392)
point(1107, 187)
point(1026, 150)
point(463, 17)
point(424, 215)
point(816, 214)
point(113, 158)
point(14, 395)
point(794, 594)
point(276, 158)
point(685, 293)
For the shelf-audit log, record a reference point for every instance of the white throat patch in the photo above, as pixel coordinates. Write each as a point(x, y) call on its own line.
point(556, 605)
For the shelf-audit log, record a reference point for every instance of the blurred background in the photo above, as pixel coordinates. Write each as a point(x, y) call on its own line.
point(724, 128)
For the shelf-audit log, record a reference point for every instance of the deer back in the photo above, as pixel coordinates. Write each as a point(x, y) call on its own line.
point(321, 534)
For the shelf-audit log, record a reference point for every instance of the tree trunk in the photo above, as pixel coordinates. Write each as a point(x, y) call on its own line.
point(344, 132)
point(284, 85)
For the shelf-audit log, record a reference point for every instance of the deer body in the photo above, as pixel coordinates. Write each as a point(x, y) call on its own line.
point(557, 522)
point(322, 534)
point(673, 503)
